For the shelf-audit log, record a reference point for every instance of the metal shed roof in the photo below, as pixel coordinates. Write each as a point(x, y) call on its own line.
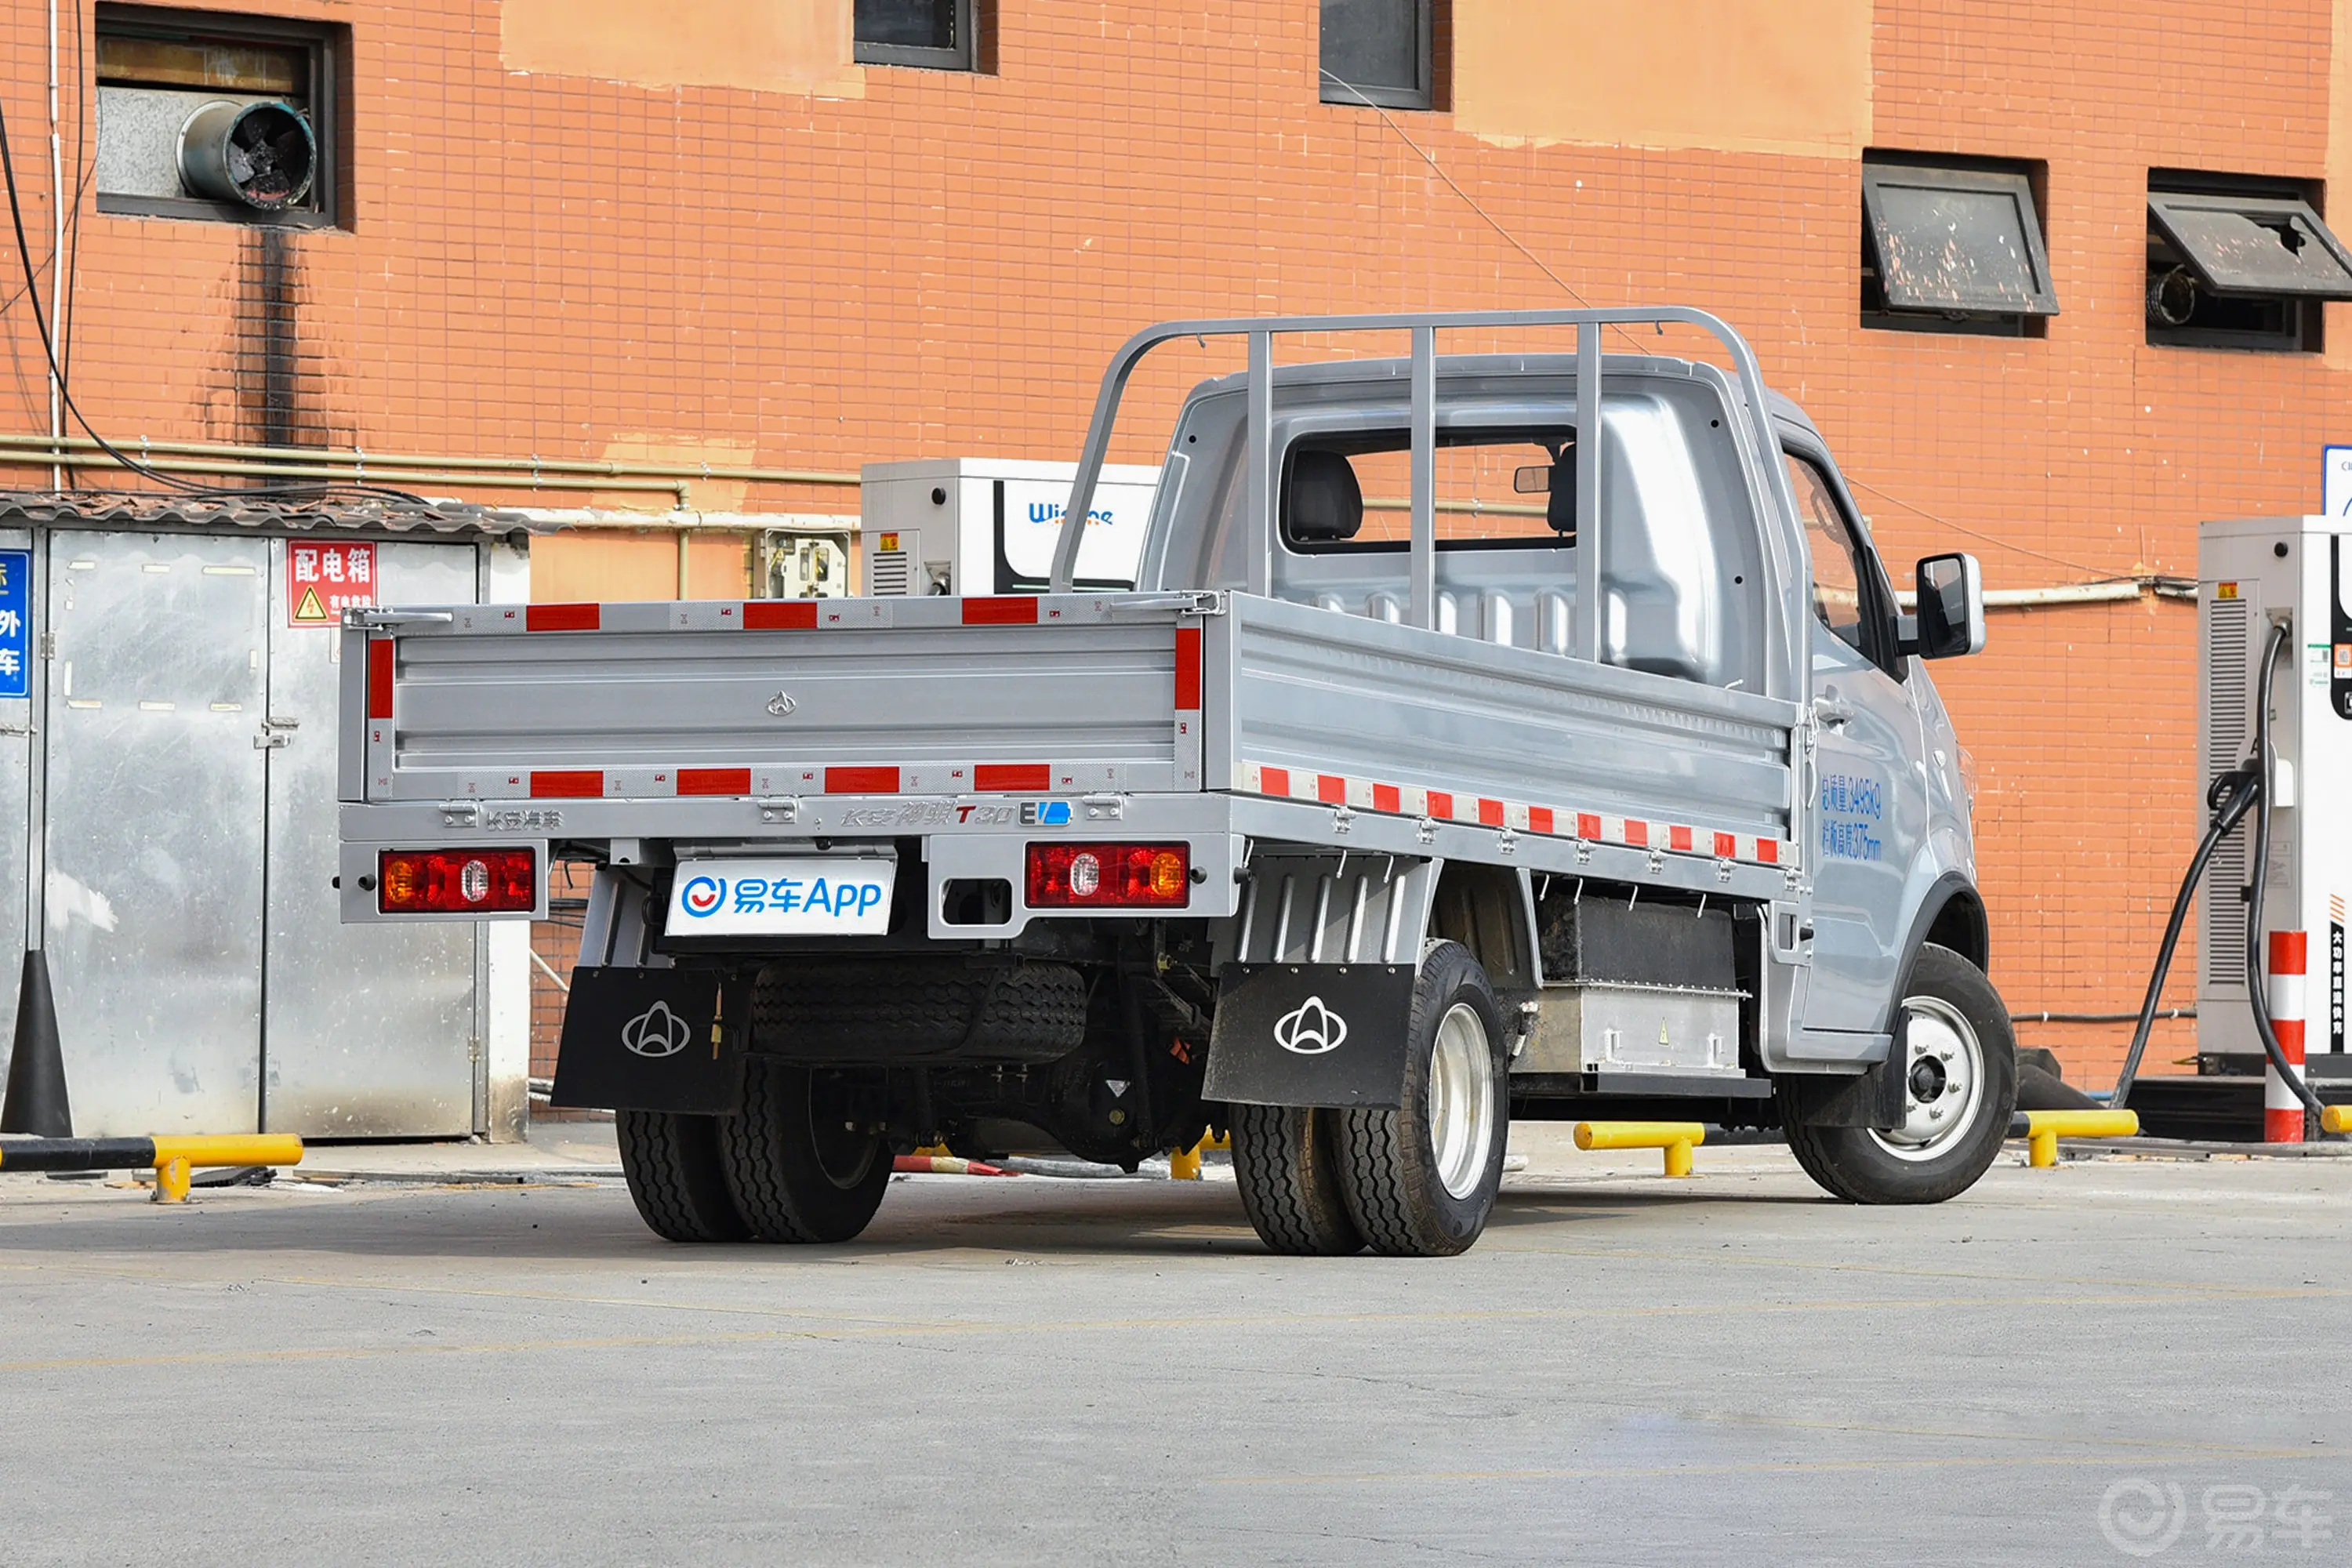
point(260, 513)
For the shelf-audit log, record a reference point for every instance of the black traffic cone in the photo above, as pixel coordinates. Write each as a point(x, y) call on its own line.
point(37, 1069)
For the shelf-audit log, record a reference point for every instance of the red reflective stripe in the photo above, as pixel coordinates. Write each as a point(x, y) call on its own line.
point(1188, 668)
point(1637, 834)
point(1678, 837)
point(2290, 953)
point(861, 780)
point(1012, 776)
point(380, 667)
point(1441, 805)
point(714, 781)
point(779, 616)
point(564, 618)
point(1274, 781)
point(1330, 791)
point(1490, 812)
point(1726, 845)
point(1769, 851)
point(1387, 797)
point(1540, 819)
point(568, 783)
point(1020, 610)
point(1587, 825)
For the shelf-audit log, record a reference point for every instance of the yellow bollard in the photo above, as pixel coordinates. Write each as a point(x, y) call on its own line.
point(171, 1181)
point(1675, 1138)
point(1222, 1143)
point(1184, 1164)
point(2044, 1128)
point(2336, 1119)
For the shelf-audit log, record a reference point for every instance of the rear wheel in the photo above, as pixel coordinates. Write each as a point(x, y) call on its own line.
point(1286, 1164)
point(1959, 1090)
point(1421, 1179)
point(676, 1177)
point(801, 1166)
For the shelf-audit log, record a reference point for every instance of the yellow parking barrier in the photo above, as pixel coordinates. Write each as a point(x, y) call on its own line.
point(1184, 1164)
point(172, 1158)
point(2042, 1128)
point(2336, 1119)
point(1677, 1138)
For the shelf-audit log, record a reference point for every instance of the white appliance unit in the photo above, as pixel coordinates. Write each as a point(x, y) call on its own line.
point(2252, 575)
point(979, 526)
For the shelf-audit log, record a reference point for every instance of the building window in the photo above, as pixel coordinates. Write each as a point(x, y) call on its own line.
point(2239, 264)
point(935, 33)
point(1379, 51)
point(209, 116)
point(1950, 245)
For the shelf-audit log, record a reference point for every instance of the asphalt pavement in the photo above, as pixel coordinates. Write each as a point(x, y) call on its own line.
point(2118, 1360)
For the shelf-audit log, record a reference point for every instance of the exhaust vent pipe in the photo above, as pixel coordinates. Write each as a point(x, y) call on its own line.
point(259, 154)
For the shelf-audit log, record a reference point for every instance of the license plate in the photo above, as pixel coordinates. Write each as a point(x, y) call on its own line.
point(829, 895)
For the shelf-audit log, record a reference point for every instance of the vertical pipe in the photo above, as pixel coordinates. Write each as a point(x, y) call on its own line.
point(1259, 458)
point(1424, 560)
point(1588, 490)
point(37, 745)
point(57, 263)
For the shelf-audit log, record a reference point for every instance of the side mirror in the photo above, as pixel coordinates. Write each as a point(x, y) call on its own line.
point(1951, 618)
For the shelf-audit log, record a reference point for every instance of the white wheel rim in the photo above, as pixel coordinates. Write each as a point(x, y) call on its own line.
point(1944, 1080)
point(1461, 1100)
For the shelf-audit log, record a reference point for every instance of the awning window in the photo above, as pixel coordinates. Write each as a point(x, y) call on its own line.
point(1957, 239)
point(2253, 245)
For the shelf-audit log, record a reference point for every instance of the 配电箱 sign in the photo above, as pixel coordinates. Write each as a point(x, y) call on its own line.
point(15, 623)
point(324, 577)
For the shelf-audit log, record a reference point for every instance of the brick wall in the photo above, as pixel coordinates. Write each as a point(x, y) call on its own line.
point(809, 264)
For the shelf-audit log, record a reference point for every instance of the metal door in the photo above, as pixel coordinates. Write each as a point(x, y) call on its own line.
point(370, 1030)
point(1869, 817)
point(154, 887)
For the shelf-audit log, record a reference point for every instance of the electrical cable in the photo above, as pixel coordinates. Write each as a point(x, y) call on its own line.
point(2256, 996)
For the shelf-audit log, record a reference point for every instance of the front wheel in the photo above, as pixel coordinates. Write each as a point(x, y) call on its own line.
point(1420, 1179)
point(1959, 1060)
point(801, 1166)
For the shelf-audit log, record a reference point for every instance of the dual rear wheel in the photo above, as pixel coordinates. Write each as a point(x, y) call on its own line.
point(1415, 1181)
point(795, 1164)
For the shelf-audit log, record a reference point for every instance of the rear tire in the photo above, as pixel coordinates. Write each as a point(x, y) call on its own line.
point(1286, 1163)
point(1421, 1179)
point(676, 1177)
point(1962, 1061)
point(798, 1173)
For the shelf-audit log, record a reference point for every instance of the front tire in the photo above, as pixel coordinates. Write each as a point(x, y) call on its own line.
point(676, 1175)
point(799, 1168)
point(1961, 1084)
point(1420, 1179)
point(1287, 1163)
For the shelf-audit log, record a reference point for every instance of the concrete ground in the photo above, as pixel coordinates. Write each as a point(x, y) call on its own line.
point(2115, 1360)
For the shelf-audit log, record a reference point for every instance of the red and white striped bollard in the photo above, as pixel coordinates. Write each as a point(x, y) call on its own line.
point(2282, 1109)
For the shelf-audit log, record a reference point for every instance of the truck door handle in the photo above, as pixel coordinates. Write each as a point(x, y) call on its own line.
point(1833, 712)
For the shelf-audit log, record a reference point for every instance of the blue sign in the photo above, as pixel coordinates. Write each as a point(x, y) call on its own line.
point(15, 623)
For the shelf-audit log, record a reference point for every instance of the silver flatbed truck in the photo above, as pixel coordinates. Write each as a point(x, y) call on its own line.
point(1486, 735)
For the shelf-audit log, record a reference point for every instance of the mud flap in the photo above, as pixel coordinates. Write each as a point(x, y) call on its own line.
point(650, 1039)
point(1310, 1034)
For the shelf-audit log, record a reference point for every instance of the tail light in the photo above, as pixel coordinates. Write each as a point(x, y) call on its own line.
point(456, 882)
point(1110, 876)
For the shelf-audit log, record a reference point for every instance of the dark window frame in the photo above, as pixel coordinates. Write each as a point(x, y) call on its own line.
point(1382, 440)
point(330, 47)
point(2017, 181)
point(2300, 318)
point(1879, 608)
point(1423, 96)
point(964, 56)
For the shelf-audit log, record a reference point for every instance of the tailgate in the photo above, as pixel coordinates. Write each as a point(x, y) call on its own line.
point(1060, 693)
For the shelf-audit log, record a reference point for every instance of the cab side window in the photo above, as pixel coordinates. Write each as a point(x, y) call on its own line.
point(1838, 570)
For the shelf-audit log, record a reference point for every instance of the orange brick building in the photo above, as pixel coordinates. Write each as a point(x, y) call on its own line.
point(728, 233)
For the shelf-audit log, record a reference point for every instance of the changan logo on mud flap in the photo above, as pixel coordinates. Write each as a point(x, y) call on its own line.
point(1310, 1031)
point(655, 1032)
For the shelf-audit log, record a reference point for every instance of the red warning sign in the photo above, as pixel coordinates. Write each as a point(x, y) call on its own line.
point(326, 577)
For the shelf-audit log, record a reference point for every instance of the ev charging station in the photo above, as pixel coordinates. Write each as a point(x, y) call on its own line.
point(981, 526)
point(2257, 579)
